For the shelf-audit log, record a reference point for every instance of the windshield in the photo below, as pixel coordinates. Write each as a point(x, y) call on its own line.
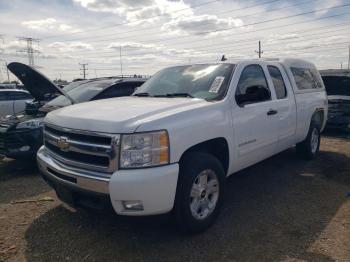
point(209, 81)
point(81, 91)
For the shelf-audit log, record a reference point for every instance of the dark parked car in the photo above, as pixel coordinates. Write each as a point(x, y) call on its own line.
point(338, 91)
point(21, 134)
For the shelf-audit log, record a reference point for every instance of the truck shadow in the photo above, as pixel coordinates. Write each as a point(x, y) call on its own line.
point(19, 180)
point(273, 211)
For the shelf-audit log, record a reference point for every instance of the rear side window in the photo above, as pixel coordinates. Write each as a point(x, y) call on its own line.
point(278, 82)
point(306, 78)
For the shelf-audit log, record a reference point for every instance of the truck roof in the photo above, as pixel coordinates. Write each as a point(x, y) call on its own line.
point(290, 62)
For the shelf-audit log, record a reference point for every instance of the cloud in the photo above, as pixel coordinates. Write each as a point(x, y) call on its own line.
point(48, 24)
point(111, 6)
point(132, 46)
point(134, 10)
point(200, 24)
point(158, 50)
point(327, 4)
point(70, 46)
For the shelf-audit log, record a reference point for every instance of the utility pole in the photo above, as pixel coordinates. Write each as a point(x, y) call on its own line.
point(84, 69)
point(8, 74)
point(260, 51)
point(121, 63)
point(29, 48)
point(349, 59)
point(341, 65)
point(7, 70)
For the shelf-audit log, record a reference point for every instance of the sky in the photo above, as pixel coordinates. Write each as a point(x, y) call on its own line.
point(144, 36)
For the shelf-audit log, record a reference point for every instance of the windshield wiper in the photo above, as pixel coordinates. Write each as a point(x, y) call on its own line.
point(176, 95)
point(142, 94)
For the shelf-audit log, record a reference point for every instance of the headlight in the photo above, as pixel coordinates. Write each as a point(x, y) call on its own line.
point(144, 149)
point(31, 124)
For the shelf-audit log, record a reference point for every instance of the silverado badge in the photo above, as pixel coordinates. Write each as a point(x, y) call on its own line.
point(63, 143)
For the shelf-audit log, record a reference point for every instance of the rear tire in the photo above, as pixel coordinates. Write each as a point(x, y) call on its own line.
point(199, 193)
point(309, 148)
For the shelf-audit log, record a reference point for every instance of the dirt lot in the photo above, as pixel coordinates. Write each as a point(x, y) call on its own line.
point(282, 209)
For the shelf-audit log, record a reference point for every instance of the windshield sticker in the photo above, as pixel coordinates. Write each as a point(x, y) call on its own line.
point(215, 86)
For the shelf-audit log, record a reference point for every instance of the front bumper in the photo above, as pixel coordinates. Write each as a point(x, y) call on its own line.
point(20, 143)
point(154, 187)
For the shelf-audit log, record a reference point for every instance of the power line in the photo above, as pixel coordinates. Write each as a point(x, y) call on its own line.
point(332, 46)
point(244, 45)
point(258, 30)
point(137, 20)
point(194, 26)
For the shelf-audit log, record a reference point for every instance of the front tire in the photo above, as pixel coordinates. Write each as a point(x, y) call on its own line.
point(309, 148)
point(200, 191)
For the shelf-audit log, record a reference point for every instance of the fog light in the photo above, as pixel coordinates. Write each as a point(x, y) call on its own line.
point(132, 205)
point(24, 148)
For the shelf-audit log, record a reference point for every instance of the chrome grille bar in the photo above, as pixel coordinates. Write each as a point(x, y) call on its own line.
point(79, 152)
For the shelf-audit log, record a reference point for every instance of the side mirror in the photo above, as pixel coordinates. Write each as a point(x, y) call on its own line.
point(254, 94)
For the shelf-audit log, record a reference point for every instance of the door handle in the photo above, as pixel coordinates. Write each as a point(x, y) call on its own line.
point(272, 112)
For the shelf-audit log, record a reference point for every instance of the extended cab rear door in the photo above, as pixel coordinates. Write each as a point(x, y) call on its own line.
point(284, 105)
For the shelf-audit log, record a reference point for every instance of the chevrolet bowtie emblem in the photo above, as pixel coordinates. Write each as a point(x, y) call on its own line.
point(63, 143)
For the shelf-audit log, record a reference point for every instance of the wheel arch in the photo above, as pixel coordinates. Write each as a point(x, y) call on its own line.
point(318, 117)
point(217, 147)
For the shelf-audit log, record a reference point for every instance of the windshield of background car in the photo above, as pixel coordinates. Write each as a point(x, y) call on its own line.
point(207, 81)
point(81, 91)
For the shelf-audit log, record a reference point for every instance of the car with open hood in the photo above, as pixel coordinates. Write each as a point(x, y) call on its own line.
point(337, 84)
point(21, 134)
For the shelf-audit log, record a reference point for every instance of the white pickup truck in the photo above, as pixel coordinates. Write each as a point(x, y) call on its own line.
point(170, 146)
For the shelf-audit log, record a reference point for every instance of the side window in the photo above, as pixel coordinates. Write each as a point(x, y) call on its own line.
point(21, 96)
point(117, 90)
point(252, 86)
point(306, 78)
point(278, 82)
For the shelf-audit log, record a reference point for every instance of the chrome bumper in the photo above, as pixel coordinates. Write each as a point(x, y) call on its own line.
point(79, 179)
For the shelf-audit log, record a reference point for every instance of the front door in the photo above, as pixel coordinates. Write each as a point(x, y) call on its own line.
point(255, 125)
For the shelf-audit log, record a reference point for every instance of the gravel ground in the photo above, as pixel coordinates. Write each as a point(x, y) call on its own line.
point(282, 209)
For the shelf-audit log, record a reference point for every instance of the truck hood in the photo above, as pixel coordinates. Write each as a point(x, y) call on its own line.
point(120, 115)
point(36, 83)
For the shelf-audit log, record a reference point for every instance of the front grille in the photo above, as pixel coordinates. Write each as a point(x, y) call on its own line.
point(86, 138)
point(82, 149)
